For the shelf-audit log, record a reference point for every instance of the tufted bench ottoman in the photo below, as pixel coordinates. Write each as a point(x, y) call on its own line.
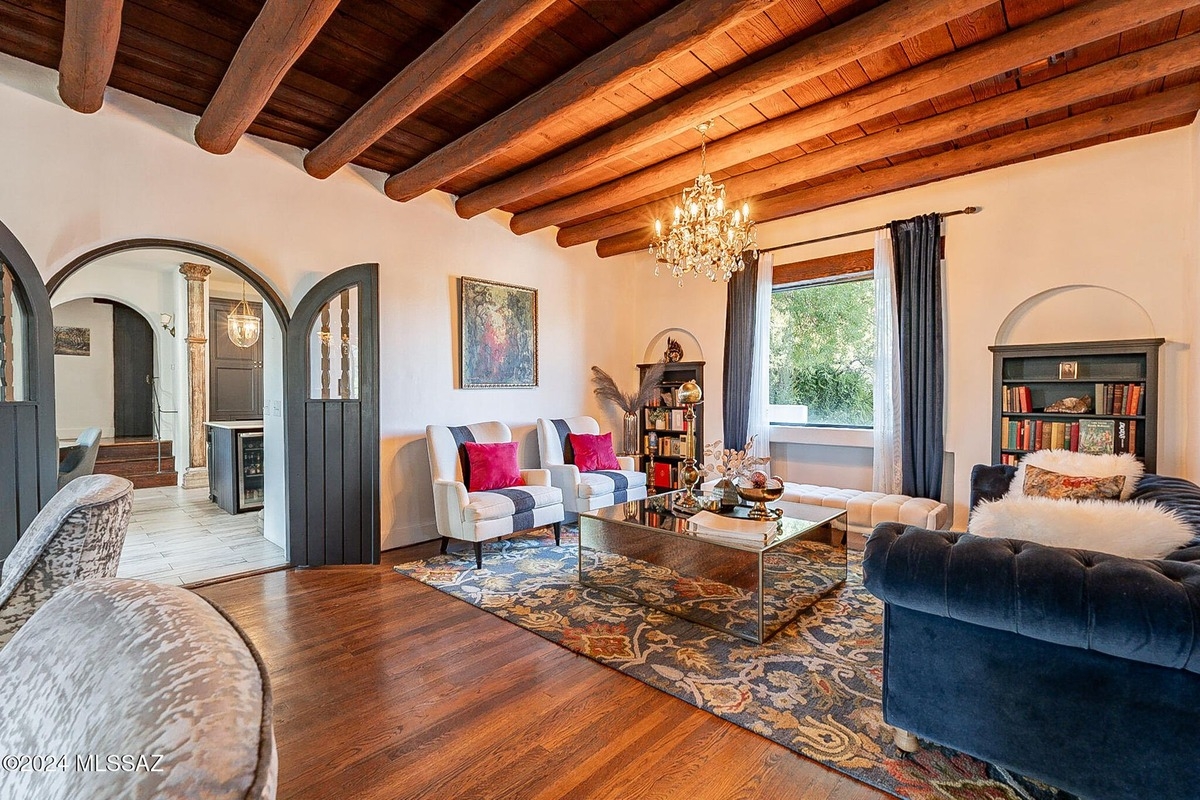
point(865, 510)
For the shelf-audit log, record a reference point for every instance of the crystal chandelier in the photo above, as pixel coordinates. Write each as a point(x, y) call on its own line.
point(244, 328)
point(706, 238)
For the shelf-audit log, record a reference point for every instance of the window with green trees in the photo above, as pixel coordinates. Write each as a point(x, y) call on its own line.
point(823, 351)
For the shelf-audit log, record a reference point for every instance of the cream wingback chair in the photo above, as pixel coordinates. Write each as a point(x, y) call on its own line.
point(479, 516)
point(585, 491)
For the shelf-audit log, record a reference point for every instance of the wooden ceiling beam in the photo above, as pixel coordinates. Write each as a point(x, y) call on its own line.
point(484, 28)
point(953, 163)
point(1075, 27)
point(875, 30)
point(91, 29)
point(650, 46)
point(1108, 77)
point(280, 34)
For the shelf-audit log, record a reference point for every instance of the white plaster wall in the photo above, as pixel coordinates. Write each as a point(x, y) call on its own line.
point(1122, 216)
point(74, 181)
point(83, 385)
point(274, 473)
point(150, 290)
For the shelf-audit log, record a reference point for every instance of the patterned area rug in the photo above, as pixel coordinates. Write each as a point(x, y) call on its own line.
point(814, 688)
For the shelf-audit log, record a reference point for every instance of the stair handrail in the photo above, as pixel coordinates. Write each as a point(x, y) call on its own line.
point(157, 419)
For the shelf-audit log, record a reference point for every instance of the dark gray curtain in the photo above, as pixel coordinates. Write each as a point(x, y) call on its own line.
point(742, 293)
point(917, 250)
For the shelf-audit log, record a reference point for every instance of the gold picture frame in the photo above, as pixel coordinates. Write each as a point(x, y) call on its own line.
point(498, 346)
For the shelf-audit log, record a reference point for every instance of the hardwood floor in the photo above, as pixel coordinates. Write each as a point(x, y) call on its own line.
point(386, 688)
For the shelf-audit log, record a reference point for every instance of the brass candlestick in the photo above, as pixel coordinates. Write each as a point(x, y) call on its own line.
point(690, 396)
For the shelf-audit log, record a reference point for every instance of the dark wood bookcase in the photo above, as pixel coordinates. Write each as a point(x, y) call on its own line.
point(1038, 371)
point(677, 373)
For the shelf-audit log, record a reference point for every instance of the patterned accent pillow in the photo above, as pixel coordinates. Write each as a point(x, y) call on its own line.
point(493, 466)
point(593, 451)
point(1056, 486)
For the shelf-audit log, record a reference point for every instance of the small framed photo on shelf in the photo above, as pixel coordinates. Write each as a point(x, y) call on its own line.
point(1068, 370)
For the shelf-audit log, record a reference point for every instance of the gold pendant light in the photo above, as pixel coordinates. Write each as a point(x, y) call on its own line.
point(244, 328)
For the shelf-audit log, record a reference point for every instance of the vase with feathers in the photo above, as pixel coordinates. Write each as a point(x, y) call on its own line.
point(629, 403)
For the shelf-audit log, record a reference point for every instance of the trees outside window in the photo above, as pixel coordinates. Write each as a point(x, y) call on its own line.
point(823, 350)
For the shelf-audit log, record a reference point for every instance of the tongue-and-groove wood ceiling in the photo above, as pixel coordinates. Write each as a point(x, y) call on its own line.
point(580, 114)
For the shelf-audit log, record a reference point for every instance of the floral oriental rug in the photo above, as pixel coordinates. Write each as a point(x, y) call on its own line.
point(814, 688)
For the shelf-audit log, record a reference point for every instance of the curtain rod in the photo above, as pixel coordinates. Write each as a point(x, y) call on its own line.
point(967, 210)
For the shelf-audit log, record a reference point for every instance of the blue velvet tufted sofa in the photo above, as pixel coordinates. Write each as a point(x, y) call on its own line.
point(1077, 668)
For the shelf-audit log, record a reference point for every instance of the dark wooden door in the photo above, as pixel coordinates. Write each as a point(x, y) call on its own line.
point(133, 373)
point(235, 376)
point(331, 359)
point(28, 444)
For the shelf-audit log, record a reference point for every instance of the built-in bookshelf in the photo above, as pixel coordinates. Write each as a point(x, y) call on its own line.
point(1038, 391)
point(663, 427)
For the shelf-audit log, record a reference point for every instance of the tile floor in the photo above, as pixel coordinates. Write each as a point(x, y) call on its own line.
point(178, 536)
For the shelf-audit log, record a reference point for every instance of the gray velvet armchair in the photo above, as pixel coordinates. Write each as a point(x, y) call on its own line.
point(79, 534)
point(80, 458)
point(151, 674)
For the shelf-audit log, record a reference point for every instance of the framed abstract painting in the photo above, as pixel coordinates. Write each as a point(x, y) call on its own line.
point(497, 335)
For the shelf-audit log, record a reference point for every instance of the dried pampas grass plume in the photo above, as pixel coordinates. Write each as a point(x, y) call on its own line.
point(606, 388)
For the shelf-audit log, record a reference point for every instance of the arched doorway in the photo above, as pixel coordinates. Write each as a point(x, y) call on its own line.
point(210, 479)
point(29, 465)
point(311, 537)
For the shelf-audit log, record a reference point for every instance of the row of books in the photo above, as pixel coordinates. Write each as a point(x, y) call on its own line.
point(1039, 434)
point(1120, 398)
point(1016, 399)
point(1111, 398)
point(662, 419)
point(1084, 436)
point(652, 443)
point(665, 475)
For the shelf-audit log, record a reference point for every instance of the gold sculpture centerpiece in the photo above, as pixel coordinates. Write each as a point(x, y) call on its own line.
point(690, 396)
point(760, 490)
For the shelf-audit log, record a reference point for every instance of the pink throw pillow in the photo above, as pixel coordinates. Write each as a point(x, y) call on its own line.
point(593, 451)
point(492, 466)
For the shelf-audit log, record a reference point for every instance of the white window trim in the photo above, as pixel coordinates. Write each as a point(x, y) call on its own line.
point(822, 435)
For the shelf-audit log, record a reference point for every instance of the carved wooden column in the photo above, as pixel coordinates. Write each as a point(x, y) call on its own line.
point(196, 474)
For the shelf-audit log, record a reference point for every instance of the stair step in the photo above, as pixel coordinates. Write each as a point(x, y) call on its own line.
point(136, 466)
point(142, 480)
point(151, 481)
point(120, 451)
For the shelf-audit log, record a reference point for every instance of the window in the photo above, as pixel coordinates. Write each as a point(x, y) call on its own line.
point(822, 369)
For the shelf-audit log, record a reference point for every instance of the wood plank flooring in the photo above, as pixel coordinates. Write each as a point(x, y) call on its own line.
point(386, 688)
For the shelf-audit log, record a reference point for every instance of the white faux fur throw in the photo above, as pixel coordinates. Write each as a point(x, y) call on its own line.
point(1080, 465)
point(1133, 530)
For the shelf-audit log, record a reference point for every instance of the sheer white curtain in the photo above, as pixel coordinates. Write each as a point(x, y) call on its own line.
point(758, 425)
point(888, 476)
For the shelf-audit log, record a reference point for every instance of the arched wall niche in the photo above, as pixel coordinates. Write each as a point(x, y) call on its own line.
point(658, 345)
point(1076, 313)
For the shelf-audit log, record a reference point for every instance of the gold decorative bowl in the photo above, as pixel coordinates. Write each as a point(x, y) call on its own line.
point(760, 496)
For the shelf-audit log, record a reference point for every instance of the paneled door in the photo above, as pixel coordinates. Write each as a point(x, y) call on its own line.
point(133, 373)
point(28, 443)
point(235, 374)
point(332, 408)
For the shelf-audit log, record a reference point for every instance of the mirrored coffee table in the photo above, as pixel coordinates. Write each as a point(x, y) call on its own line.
point(642, 551)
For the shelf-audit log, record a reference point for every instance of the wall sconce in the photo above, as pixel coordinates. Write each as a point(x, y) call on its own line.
point(167, 320)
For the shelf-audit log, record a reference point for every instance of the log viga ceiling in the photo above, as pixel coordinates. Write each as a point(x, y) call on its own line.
point(580, 114)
